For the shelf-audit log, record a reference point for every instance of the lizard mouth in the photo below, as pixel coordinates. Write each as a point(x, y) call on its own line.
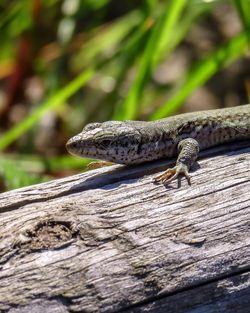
point(82, 149)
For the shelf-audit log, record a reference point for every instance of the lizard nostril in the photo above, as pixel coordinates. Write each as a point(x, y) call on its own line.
point(71, 145)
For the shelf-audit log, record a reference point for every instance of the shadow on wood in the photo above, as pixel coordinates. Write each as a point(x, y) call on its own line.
point(112, 241)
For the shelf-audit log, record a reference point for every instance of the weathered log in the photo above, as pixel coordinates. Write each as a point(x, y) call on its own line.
point(110, 240)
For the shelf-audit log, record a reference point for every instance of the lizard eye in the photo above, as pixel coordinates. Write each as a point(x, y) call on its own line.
point(106, 142)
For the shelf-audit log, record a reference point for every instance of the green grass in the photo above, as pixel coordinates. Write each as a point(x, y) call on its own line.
point(56, 100)
point(127, 49)
point(17, 170)
point(159, 38)
point(243, 8)
point(201, 72)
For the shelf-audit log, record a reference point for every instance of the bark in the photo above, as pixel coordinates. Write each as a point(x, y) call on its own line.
point(110, 240)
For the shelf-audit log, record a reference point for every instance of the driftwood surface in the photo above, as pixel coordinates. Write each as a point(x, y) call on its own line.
point(110, 240)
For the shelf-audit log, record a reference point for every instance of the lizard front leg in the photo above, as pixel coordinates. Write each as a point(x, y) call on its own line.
point(188, 150)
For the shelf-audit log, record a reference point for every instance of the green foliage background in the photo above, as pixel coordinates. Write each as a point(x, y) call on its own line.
point(101, 45)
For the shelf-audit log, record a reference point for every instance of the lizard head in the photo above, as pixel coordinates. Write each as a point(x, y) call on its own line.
point(112, 141)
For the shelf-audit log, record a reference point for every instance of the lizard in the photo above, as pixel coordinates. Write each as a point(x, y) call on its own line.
point(184, 135)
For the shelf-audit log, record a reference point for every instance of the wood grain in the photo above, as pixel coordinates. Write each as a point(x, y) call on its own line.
point(112, 241)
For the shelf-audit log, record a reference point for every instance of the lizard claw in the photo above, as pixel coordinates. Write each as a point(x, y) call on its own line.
point(172, 173)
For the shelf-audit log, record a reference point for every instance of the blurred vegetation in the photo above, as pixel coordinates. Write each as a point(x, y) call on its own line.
point(66, 63)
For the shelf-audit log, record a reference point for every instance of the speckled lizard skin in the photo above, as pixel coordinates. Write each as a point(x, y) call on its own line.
point(134, 142)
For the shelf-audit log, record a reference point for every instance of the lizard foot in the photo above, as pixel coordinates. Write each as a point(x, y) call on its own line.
point(94, 165)
point(172, 173)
